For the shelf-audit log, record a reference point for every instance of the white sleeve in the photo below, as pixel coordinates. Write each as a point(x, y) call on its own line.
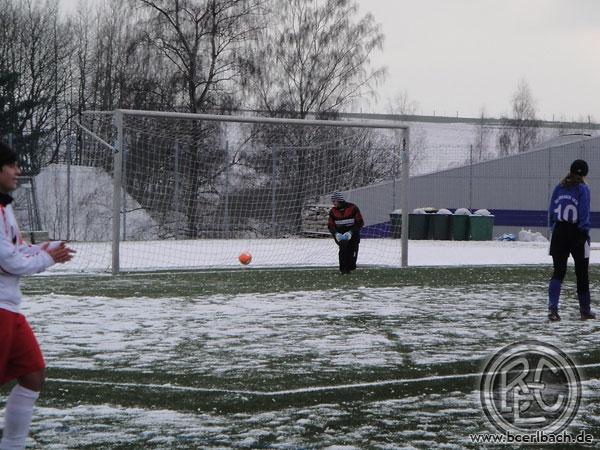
point(14, 261)
point(29, 249)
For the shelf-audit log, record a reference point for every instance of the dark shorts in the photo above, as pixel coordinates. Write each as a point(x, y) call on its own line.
point(567, 240)
point(20, 352)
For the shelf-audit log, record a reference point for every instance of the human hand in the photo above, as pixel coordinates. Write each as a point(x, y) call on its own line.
point(338, 237)
point(58, 251)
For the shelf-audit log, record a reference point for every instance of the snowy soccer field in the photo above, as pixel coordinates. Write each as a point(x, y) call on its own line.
point(288, 358)
point(277, 253)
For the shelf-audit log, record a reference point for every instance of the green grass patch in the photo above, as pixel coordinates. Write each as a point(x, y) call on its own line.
point(244, 281)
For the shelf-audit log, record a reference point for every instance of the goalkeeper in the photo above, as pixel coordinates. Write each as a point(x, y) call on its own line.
point(345, 222)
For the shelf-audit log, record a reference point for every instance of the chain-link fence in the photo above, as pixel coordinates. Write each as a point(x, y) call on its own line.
point(232, 184)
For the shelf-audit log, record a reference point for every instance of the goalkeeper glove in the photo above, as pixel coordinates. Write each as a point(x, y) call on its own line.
point(344, 237)
point(347, 235)
point(338, 237)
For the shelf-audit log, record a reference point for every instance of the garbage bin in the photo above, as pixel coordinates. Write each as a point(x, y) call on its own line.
point(418, 224)
point(439, 225)
point(460, 224)
point(481, 225)
point(396, 223)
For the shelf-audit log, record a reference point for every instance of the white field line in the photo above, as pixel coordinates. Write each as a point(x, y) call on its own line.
point(267, 393)
point(339, 387)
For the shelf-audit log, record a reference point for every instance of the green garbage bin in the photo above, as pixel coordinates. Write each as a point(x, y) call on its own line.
point(481, 227)
point(439, 227)
point(418, 225)
point(396, 223)
point(460, 227)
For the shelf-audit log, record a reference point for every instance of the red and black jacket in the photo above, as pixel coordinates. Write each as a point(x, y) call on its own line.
point(345, 218)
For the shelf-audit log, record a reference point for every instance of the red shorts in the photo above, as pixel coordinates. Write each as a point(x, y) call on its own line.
point(20, 352)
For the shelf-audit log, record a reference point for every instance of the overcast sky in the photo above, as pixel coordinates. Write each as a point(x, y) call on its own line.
point(455, 57)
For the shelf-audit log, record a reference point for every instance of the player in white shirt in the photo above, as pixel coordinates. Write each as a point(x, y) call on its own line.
point(20, 355)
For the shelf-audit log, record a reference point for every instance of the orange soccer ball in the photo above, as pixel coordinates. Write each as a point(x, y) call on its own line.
point(245, 258)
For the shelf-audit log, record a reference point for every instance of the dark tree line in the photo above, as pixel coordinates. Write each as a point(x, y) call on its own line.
point(200, 56)
point(289, 58)
point(184, 55)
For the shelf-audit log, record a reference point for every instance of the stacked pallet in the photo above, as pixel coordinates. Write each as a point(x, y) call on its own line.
point(314, 221)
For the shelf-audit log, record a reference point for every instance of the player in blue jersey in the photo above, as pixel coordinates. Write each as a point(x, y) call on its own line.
point(569, 218)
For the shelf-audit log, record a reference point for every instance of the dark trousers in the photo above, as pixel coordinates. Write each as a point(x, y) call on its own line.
point(567, 240)
point(581, 271)
point(348, 255)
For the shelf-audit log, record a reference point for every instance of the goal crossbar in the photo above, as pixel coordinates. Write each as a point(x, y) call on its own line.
point(246, 119)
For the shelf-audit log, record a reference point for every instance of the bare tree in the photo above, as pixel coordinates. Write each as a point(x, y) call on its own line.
point(81, 41)
point(114, 65)
point(200, 39)
point(524, 111)
point(480, 150)
point(35, 49)
point(504, 142)
point(521, 130)
point(314, 57)
point(111, 45)
point(403, 105)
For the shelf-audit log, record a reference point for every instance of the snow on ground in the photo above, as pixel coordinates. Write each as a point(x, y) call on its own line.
point(243, 345)
point(156, 255)
point(313, 332)
point(425, 420)
point(338, 349)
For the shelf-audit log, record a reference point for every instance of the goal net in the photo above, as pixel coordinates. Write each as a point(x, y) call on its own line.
point(151, 191)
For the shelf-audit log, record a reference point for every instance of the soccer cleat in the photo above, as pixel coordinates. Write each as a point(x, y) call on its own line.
point(584, 306)
point(588, 316)
point(553, 316)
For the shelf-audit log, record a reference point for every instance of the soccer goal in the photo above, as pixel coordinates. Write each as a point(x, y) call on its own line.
point(157, 190)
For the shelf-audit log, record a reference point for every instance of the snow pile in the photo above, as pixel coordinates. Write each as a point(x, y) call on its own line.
point(531, 236)
point(462, 212)
point(91, 194)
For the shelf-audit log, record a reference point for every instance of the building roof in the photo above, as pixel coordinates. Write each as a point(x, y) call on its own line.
point(563, 140)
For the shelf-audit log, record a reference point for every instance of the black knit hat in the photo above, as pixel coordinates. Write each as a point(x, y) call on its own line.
point(579, 167)
point(7, 155)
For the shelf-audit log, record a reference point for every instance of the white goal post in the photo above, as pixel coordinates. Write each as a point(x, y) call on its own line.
point(195, 190)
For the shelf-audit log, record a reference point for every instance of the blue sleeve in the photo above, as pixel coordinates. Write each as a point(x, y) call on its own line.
point(585, 222)
point(551, 208)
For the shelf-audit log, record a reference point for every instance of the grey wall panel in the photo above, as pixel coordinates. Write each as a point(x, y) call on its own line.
point(524, 181)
